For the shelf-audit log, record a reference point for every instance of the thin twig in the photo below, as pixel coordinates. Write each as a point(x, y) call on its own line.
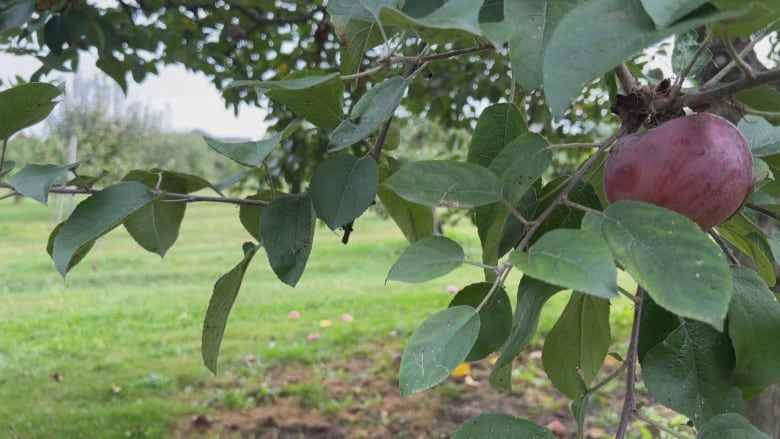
point(737, 57)
point(642, 417)
point(441, 56)
point(515, 213)
point(9, 195)
point(725, 70)
point(713, 95)
point(502, 271)
point(189, 198)
point(705, 44)
point(2, 153)
point(629, 401)
point(764, 211)
point(725, 247)
point(536, 223)
point(765, 114)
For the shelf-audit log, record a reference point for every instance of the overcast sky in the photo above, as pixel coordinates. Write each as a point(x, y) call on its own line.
point(190, 100)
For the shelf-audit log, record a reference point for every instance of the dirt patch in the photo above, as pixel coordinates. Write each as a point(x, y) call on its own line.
point(359, 397)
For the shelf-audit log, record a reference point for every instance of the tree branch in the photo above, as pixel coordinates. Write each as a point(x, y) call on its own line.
point(629, 401)
point(627, 81)
point(441, 56)
point(561, 199)
point(170, 196)
point(707, 96)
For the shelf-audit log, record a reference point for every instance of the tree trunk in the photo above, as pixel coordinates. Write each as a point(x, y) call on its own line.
point(764, 411)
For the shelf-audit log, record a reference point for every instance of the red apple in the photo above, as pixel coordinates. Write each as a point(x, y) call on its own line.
point(699, 166)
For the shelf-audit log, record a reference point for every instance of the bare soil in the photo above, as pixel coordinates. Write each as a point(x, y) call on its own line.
point(359, 397)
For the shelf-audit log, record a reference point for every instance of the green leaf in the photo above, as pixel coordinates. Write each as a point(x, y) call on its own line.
point(670, 256)
point(532, 294)
point(343, 187)
point(520, 163)
point(762, 98)
point(114, 68)
point(498, 125)
point(533, 25)
point(500, 426)
point(445, 183)
point(7, 167)
point(666, 12)
point(15, 13)
point(54, 34)
point(760, 14)
point(25, 105)
point(452, 20)
point(656, 324)
point(314, 97)
point(356, 37)
point(754, 328)
point(250, 215)
point(369, 112)
point(685, 46)
point(763, 138)
point(427, 259)
point(222, 299)
point(573, 259)
point(582, 48)
point(749, 239)
point(495, 317)
point(34, 181)
point(415, 220)
point(692, 372)
point(366, 10)
point(93, 218)
point(287, 225)
point(437, 347)
point(493, 23)
point(76, 24)
point(577, 343)
point(251, 153)
point(729, 426)
point(155, 227)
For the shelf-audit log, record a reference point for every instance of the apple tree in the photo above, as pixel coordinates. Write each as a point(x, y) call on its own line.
point(671, 197)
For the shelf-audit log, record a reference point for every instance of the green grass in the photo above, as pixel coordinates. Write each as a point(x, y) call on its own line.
point(126, 319)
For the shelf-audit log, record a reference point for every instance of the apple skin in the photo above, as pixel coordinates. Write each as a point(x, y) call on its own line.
point(699, 166)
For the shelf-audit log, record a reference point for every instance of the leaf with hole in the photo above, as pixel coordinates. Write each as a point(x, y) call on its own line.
point(287, 225)
point(577, 344)
point(222, 298)
point(427, 259)
point(573, 259)
point(343, 187)
point(437, 347)
point(677, 263)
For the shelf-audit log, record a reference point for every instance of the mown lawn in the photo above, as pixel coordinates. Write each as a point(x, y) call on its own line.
point(114, 350)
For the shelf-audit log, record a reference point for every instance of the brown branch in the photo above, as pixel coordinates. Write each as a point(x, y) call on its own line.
point(561, 199)
point(172, 196)
point(442, 55)
point(627, 81)
point(762, 210)
point(705, 97)
point(629, 401)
